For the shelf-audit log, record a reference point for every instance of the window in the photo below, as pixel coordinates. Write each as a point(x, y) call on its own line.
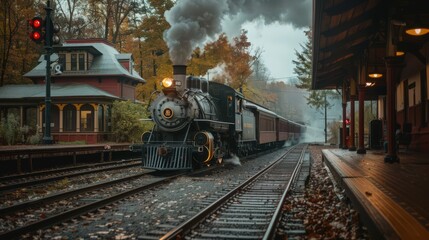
point(86, 118)
point(62, 60)
point(73, 62)
point(81, 61)
point(30, 118)
point(100, 118)
point(69, 118)
point(54, 117)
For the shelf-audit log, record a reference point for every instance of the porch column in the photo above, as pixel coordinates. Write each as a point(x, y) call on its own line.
point(78, 106)
point(352, 146)
point(361, 143)
point(61, 108)
point(21, 117)
point(40, 119)
point(95, 106)
point(393, 68)
point(344, 127)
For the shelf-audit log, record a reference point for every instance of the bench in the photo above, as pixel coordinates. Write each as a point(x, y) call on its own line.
point(404, 138)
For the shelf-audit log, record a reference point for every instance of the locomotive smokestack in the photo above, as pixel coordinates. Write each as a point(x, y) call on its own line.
point(179, 75)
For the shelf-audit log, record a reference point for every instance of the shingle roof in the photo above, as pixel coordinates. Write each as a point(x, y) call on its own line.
point(104, 64)
point(10, 92)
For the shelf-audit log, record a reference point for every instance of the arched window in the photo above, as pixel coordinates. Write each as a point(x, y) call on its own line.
point(86, 118)
point(100, 118)
point(30, 117)
point(69, 118)
point(54, 117)
point(109, 118)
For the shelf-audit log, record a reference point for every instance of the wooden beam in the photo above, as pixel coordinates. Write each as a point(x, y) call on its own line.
point(364, 34)
point(342, 7)
point(366, 16)
point(345, 50)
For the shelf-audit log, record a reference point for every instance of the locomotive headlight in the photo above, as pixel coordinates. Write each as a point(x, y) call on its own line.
point(167, 82)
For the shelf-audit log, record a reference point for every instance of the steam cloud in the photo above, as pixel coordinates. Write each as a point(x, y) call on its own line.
point(192, 22)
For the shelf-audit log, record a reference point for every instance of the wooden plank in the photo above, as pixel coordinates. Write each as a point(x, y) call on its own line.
point(392, 220)
point(344, 170)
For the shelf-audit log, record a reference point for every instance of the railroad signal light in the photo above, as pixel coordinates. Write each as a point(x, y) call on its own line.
point(55, 30)
point(347, 121)
point(38, 26)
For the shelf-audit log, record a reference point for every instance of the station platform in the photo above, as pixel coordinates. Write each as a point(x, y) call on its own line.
point(392, 198)
point(22, 155)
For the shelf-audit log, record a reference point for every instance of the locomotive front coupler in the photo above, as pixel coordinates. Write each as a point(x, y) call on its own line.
point(164, 150)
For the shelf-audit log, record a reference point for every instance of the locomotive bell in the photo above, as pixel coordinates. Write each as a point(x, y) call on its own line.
point(179, 75)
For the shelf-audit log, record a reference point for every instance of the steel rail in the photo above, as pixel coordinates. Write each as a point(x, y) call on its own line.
point(179, 231)
point(15, 233)
point(59, 170)
point(270, 233)
point(50, 179)
point(63, 195)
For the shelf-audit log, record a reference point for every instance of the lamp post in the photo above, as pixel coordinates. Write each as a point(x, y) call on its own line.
point(47, 138)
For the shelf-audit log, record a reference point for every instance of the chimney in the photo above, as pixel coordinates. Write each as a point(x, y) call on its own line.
point(179, 75)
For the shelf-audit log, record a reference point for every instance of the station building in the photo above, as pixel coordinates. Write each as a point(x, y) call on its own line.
point(91, 74)
point(376, 50)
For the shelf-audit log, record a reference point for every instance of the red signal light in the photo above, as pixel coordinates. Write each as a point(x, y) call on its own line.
point(35, 36)
point(38, 25)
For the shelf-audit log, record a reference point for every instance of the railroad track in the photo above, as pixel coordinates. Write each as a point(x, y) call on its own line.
point(10, 183)
point(81, 200)
point(251, 210)
point(81, 203)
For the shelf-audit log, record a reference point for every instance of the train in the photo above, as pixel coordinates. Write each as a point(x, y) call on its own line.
point(199, 122)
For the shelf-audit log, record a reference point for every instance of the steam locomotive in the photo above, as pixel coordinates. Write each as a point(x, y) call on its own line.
point(198, 122)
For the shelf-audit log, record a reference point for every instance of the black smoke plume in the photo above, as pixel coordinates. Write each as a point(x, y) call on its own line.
point(193, 21)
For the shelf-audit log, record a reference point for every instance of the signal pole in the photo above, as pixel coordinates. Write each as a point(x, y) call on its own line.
point(47, 138)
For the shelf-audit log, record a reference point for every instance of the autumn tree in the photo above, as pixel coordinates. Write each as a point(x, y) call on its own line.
point(75, 19)
point(105, 18)
point(17, 52)
point(149, 49)
point(239, 62)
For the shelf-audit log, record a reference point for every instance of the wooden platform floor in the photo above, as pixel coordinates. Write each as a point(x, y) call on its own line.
point(392, 199)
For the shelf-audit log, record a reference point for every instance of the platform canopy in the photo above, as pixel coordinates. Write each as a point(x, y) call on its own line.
point(352, 33)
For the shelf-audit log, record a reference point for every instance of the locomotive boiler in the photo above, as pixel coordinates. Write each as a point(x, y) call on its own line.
point(197, 122)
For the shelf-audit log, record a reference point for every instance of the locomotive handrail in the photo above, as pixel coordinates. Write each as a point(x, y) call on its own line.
point(150, 98)
point(187, 131)
point(215, 121)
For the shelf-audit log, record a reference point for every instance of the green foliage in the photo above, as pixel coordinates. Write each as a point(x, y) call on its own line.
point(35, 139)
point(318, 99)
point(11, 133)
point(127, 121)
point(303, 63)
point(10, 129)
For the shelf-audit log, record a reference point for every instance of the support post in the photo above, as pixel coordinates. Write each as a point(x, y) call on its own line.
point(47, 138)
point(361, 143)
point(352, 146)
point(344, 126)
point(393, 68)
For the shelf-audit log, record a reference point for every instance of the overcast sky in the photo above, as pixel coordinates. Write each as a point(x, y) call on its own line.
point(278, 43)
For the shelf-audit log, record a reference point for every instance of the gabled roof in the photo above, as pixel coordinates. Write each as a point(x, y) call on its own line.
point(32, 91)
point(105, 61)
